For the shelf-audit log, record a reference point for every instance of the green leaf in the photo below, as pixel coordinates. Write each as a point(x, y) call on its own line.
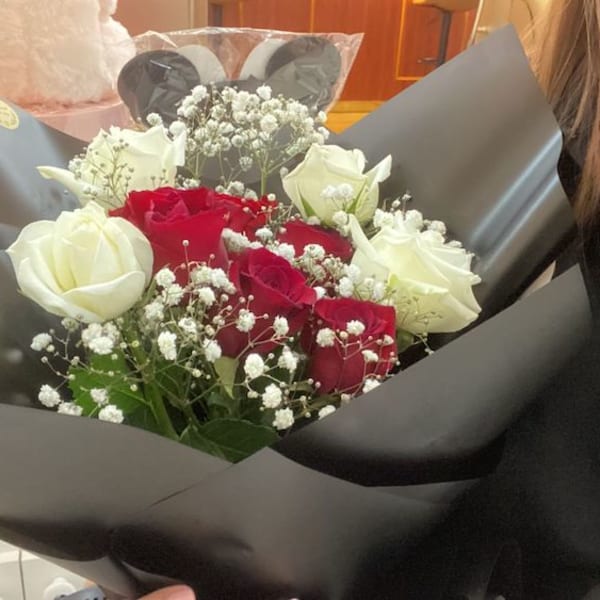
point(142, 418)
point(231, 439)
point(226, 369)
point(220, 406)
point(98, 375)
point(252, 411)
point(404, 340)
point(308, 209)
point(354, 205)
point(169, 379)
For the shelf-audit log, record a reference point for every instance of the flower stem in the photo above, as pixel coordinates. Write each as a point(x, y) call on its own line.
point(159, 410)
point(151, 391)
point(263, 182)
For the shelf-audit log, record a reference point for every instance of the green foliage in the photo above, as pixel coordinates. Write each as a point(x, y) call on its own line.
point(404, 340)
point(220, 405)
point(308, 209)
point(109, 372)
point(143, 419)
point(226, 369)
point(231, 439)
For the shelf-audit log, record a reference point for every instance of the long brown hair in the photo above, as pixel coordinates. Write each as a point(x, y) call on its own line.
point(567, 60)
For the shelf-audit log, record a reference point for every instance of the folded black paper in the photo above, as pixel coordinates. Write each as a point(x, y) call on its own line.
point(67, 483)
point(268, 528)
point(26, 195)
point(76, 489)
point(384, 439)
point(477, 145)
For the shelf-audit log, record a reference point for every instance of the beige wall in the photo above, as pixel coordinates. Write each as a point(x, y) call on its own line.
point(162, 15)
point(499, 12)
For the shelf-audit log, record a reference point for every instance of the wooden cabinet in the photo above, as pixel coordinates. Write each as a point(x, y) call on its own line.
point(161, 15)
point(399, 36)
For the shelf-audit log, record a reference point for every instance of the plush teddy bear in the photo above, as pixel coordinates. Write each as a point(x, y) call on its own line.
point(60, 52)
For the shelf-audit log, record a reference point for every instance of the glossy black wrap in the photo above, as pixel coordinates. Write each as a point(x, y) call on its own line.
point(347, 508)
point(477, 147)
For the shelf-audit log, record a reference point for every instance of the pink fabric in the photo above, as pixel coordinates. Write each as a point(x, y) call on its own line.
point(86, 120)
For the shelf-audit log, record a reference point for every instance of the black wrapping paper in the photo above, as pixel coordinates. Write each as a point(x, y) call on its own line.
point(26, 196)
point(477, 146)
point(300, 533)
point(337, 510)
point(95, 495)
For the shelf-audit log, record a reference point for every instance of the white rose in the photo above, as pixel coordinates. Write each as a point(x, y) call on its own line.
point(431, 280)
point(84, 265)
point(331, 179)
point(128, 160)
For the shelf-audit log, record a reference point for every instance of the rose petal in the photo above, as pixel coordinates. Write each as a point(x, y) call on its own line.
point(66, 178)
point(108, 300)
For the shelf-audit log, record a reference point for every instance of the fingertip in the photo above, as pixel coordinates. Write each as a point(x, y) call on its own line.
point(176, 592)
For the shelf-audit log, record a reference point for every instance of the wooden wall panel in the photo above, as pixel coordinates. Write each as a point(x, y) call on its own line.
point(420, 32)
point(397, 35)
point(462, 26)
point(140, 16)
point(286, 15)
point(372, 75)
point(226, 14)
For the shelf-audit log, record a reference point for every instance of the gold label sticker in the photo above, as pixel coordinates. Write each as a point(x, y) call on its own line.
point(8, 117)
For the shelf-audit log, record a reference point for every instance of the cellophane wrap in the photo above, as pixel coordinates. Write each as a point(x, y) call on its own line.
point(317, 64)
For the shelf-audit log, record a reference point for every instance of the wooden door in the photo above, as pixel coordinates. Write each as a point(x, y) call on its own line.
point(162, 15)
point(400, 38)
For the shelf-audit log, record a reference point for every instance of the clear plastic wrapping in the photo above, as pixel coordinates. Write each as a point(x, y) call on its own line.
point(311, 68)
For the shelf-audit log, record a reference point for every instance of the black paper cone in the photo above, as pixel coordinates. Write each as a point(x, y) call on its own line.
point(67, 482)
point(267, 528)
point(384, 439)
point(336, 509)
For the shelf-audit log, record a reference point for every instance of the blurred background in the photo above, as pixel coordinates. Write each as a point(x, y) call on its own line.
point(24, 576)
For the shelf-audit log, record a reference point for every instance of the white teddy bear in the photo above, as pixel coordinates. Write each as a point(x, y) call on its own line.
point(60, 52)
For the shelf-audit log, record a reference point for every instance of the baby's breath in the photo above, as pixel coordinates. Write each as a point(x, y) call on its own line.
point(240, 131)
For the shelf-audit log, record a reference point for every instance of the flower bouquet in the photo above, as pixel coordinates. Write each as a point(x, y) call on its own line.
point(219, 317)
point(229, 320)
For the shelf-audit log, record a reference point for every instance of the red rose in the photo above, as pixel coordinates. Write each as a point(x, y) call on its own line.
point(168, 216)
point(278, 290)
point(246, 216)
point(341, 365)
point(299, 234)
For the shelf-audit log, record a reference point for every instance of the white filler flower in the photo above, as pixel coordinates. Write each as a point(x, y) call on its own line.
point(254, 366)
